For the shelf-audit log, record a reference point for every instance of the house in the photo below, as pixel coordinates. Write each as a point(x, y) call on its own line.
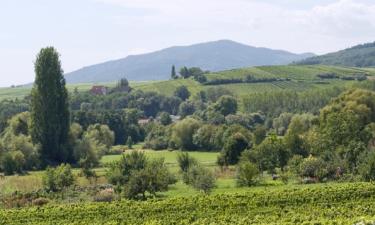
point(99, 90)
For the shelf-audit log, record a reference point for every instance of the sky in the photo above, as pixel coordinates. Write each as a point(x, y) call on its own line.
point(87, 32)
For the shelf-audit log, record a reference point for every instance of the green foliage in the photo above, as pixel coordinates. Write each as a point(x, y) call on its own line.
point(226, 105)
point(165, 118)
point(182, 92)
point(348, 203)
point(183, 131)
point(50, 109)
point(270, 154)
point(139, 176)
point(119, 173)
point(56, 179)
point(185, 161)
point(173, 73)
point(186, 108)
point(312, 167)
point(233, 148)
point(154, 178)
point(102, 136)
point(200, 178)
point(247, 173)
point(357, 56)
point(158, 137)
point(367, 166)
point(259, 134)
point(129, 142)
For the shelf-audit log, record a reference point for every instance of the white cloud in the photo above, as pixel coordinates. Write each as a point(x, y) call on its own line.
point(343, 19)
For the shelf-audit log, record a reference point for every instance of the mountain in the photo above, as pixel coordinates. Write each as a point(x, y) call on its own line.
point(213, 56)
point(357, 56)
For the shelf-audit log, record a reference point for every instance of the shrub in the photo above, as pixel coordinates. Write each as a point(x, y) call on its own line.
point(367, 167)
point(56, 179)
point(106, 195)
point(247, 174)
point(40, 201)
point(201, 178)
point(185, 161)
point(119, 173)
point(315, 168)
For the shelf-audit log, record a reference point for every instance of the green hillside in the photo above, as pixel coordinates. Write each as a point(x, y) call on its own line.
point(293, 77)
point(360, 55)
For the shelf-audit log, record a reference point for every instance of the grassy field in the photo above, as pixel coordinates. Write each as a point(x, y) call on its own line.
point(302, 78)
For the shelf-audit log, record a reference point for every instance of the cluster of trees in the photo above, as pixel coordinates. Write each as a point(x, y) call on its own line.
point(195, 72)
point(277, 102)
point(337, 144)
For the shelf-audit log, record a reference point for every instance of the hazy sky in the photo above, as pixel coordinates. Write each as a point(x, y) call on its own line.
point(86, 32)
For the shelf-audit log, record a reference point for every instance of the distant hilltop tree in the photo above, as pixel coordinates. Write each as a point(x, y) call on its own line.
point(173, 73)
point(122, 86)
point(50, 109)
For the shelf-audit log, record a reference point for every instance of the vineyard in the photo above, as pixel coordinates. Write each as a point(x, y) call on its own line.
point(301, 78)
point(315, 204)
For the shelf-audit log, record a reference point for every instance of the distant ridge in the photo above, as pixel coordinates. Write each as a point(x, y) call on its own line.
point(358, 56)
point(213, 56)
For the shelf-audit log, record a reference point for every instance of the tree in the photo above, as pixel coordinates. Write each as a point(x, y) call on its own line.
point(120, 172)
point(155, 177)
point(186, 108)
point(183, 131)
point(102, 136)
point(270, 154)
point(233, 148)
point(226, 105)
point(184, 72)
point(129, 142)
point(50, 109)
point(185, 161)
point(165, 118)
point(182, 92)
point(260, 133)
point(173, 73)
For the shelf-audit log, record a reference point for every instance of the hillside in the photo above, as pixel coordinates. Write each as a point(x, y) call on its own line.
point(213, 56)
point(299, 78)
point(357, 56)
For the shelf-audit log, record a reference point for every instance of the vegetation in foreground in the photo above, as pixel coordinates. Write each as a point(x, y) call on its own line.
point(317, 204)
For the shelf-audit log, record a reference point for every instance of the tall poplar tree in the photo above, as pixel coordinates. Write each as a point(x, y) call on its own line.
point(50, 109)
point(173, 73)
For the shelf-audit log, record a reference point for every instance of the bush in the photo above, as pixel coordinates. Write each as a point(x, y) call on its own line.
point(367, 167)
point(294, 164)
point(40, 201)
point(201, 178)
point(185, 161)
point(247, 174)
point(119, 173)
point(56, 179)
point(314, 168)
point(106, 195)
